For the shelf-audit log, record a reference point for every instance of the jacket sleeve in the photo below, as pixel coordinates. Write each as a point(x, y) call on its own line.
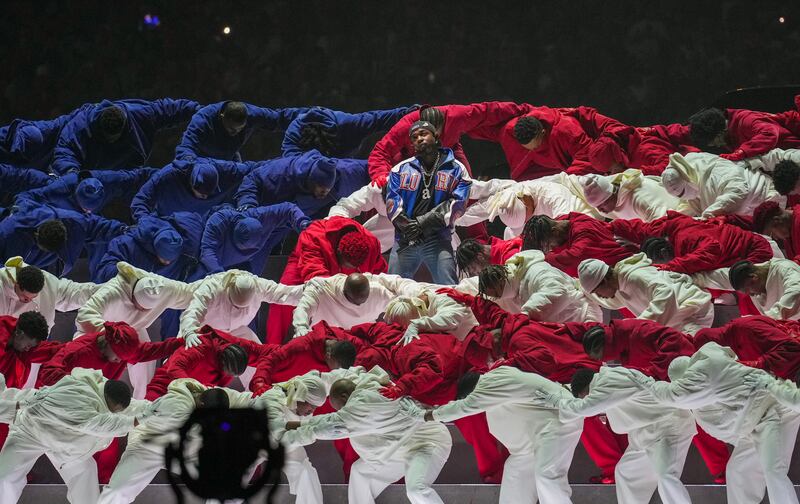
point(387, 152)
point(279, 214)
point(193, 316)
point(102, 230)
point(44, 351)
point(16, 180)
point(272, 119)
point(184, 361)
point(301, 318)
point(312, 264)
point(72, 295)
point(670, 344)
point(786, 393)
point(662, 304)
point(394, 202)
point(69, 154)
point(633, 230)
point(167, 112)
point(366, 123)
point(149, 351)
point(249, 189)
point(363, 200)
point(534, 359)
point(277, 293)
point(145, 200)
point(125, 183)
point(460, 197)
point(788, 306)
point(601, 397)
point(764, 138)
point(90, 314)
point(212, 242)
point(106, 425)
point(192, 136)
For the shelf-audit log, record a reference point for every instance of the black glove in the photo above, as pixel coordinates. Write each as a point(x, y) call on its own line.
point(408, 229)
point(430, 223)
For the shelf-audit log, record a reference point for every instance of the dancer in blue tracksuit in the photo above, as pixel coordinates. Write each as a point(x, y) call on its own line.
point(424, 197)
point(334, 133)
point(90, 191)
point(242, 240)
point(168, 247)
point(30, 144)
point(53, 238)
point(190, 186)
point(313, 181)
point(15, 180)
point(220, 130)
point(119, 134)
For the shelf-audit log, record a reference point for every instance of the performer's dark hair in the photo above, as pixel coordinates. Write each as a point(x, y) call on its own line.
point(215, 398)
point(739, 272)
point(527, 128)
point(785, 176)
point(51, 235)
point(33, 324)
point(594, 339)
point(433, 115)
point(581, 380)
point(467, 251)
point(30, 279)
point(490, 276)
point(235, 112)
point(234, 358)
point(658, 249)
point(344, 353)
point(536, 232)
point(705, 126)
point(118, 391)
point(317, 136)
point(466, 384)
point(111, 121)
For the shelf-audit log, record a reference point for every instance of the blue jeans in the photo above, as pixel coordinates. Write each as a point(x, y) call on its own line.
point(436, 253)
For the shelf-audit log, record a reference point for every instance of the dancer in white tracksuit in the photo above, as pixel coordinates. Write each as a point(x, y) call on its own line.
point(57, 294)
point(391, 445)
point(10, 398)
point(138, 298)
point(666, 297)
point(774, 286)
point(714, 385)
point(515, 203)
point(658, 436)
point(709, 185)
point(539, 290)
point(68, 422)
point(341, 300)
point(428, 311)
point(541, 445)
point(144, 455)
point(629, 195)
point(229, 301)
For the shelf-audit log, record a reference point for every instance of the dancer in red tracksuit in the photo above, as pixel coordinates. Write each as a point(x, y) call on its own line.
point(739, 133)
point(215, 362)
point(472, 256)
point(571, 238)
point(782, 225)
point(428, 370)
point(325, 248)
point(547, 140)
point(649, 347)
point(760, 342)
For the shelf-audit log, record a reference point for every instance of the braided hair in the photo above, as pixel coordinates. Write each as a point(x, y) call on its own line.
point(537, 232)
point(491, 276)
point(316, 136)
point(433, 115)
point(466, 253)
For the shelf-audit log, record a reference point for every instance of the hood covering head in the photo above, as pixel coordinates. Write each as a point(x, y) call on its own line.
point(205, 178)
point(308, 388)
point(678, 367)
point(680, 178)
point(247, 233)
point(604, 152)
point(147, 291)
point(403, 309)
point(27, 139)
point(90, 193)
point(591, 273)
point(597, 189)
point(323, 172)
point(168, 244)
point(241, 287)
point(123, 339)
